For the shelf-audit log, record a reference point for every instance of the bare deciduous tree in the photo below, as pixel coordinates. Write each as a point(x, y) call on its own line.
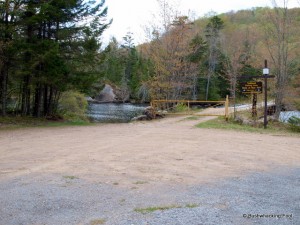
point(172, 78)
point(278, 33)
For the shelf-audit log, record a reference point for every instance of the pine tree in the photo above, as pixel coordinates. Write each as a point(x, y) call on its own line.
point(212, 34)
point(56, 49)
point(9, 17)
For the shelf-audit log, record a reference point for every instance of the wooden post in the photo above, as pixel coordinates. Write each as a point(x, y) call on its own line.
point(254, 102)
point(226, 108)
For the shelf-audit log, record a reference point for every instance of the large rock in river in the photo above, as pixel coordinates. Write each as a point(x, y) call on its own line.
point(106, 95)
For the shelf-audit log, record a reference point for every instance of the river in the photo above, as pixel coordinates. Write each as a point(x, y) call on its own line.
point(284, 116)
point(124, 112)
point(114, 112)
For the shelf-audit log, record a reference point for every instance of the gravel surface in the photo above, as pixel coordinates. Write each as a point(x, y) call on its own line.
point(163, 172)
point(274, 196)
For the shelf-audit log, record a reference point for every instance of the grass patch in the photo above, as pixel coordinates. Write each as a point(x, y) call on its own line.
point(97, 222)
point(68, 123)
point(220, 123)
point(156, 208)
point(70, 177)
point(141, 182)
point(191, 206)
point(192, 118)
point(16, 122)
point(162, 208)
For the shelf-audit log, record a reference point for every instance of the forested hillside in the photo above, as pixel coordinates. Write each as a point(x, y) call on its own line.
point(47, 48)
point(204, 59)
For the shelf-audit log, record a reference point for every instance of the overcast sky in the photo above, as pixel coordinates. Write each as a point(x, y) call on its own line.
point(134, 15)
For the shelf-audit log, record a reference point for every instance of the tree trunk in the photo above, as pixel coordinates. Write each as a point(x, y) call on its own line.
point(51, 101)
point(4, 69)
point(207, 87)
point(37, 101)
point(26, 94)
point(3, 79)
point(45, 103)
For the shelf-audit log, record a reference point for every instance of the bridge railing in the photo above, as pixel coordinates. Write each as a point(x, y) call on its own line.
point(169, 105)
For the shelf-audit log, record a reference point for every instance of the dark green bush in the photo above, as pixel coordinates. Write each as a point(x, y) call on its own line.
point(73, 106)
point(294, 123)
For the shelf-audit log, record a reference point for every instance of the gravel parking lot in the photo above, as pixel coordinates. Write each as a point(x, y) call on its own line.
point(148, 173)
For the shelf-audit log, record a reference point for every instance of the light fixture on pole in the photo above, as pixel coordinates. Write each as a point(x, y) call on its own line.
point(266, 72)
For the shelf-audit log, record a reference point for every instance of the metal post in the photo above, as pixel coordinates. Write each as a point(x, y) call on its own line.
point(266, 96)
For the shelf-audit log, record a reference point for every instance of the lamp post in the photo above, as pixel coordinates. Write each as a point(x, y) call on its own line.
point(265, 75)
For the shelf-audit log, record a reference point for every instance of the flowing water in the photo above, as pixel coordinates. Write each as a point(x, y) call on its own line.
point(113, 112)
point(284, 116)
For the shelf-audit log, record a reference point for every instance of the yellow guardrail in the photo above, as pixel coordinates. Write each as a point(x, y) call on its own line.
point(156, 103)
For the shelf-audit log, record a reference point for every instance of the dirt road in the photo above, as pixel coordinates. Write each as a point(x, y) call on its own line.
point(104, 173)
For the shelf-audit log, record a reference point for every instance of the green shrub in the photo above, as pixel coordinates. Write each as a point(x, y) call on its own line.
point(181, 107)
point(297, 104)
point(72, 106)
point(294, 123)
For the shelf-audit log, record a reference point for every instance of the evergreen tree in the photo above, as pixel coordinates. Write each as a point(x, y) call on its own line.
point(56, 49)
point(125, 67)
point(197, 56)
point(9, 17)
point(212, 34)
point(113, 65)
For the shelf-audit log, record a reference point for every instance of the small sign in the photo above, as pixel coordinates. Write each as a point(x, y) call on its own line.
point(252, 87)
point(266, 71)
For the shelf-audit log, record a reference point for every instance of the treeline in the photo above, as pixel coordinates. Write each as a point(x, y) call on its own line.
point(126, 69)
point(47, 47)
point(174, 65)
point(203, 59)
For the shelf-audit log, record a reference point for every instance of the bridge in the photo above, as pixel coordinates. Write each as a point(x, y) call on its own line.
point(169, 107)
